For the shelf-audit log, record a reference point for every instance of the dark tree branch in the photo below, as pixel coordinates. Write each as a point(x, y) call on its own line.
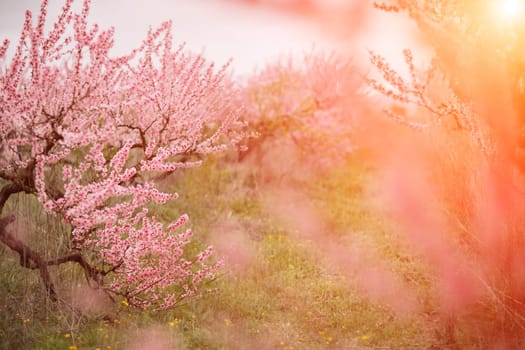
point(90, 272)
point(142, 134)
point(6, 192)
point(33, 260)
point(28, 257)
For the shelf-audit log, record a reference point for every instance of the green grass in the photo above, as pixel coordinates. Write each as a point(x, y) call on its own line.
point(284, 299)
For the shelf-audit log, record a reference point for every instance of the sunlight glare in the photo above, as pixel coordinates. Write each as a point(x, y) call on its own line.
point(511, 8)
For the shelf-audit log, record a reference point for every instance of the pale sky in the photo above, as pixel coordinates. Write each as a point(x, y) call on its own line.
point(250, 35)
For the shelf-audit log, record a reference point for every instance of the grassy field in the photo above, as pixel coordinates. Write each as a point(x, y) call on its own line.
point(281, 287)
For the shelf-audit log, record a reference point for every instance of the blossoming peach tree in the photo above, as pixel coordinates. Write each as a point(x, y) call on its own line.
point(88, 134)
point(311, 101)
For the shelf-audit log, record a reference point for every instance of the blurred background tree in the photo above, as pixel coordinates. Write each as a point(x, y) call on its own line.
point(468, 104)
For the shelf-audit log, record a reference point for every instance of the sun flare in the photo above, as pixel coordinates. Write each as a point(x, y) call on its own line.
point(511, 8)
